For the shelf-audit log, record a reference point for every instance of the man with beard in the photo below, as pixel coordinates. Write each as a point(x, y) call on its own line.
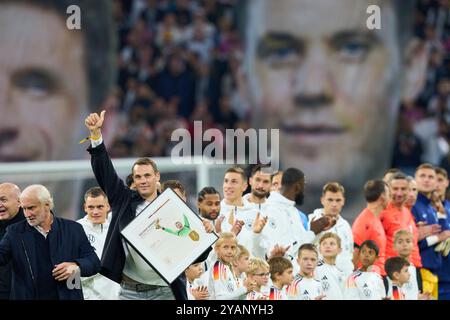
point(10, 212)
point(260, 182)
point(208, 203)
point(284, 227)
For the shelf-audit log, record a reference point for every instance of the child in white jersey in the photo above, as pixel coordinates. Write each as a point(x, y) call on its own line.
point(282, 274)
point(240, 264)
point(365, 284)
point(223, 284)
point(305, 286)
point(330, 276)
point(397, 276)
point(403, 244)
point(258, 271)
point(195, 291)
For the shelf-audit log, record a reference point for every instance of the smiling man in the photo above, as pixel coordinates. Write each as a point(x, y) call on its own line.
point(331, 85)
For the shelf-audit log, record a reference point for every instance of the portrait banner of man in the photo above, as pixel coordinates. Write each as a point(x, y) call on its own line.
point(314, 70)
point(168, 235)
point(51, 76)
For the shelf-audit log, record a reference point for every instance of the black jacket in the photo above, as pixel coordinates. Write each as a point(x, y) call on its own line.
point(67, 243)
point(123, 202)
point(5, 271)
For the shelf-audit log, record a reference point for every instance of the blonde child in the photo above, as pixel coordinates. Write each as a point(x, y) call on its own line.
point(259, 272)
point(331, 277)
point(404, 245)
point(240, 263)
point(223, 284)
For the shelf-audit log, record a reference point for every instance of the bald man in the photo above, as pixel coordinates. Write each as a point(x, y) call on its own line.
point(10, 212)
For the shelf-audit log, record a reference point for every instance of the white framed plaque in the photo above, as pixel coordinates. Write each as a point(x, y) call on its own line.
point(168, 235)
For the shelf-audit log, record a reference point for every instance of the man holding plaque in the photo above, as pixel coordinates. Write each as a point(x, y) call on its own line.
point(120, 262)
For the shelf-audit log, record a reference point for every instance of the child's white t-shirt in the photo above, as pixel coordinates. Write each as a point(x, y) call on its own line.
point(223, 285)
point(303, 288)
point(364, 286)
point(332, 280)
point(411, 288)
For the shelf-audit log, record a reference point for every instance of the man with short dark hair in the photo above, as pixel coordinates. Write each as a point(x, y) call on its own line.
point(120, 262)
point(96, 224)
point(283, 227)
point(367, 225)
point(176, 186)
point(260, 182)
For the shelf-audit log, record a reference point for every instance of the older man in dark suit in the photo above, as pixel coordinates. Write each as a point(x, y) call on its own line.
point(46, 252)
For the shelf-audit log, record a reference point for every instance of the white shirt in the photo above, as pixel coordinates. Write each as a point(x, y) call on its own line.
point(332, 280)
point(364, 286)
point(284, 227)
point(98, 287)
point(343, 229)
point(400, 293)
point(135, 267)
point(223, 285)
point(263, 294)
point(201, 281)
point(246, 214)
point(257, 206)
point(411, 288)
point(303, 288)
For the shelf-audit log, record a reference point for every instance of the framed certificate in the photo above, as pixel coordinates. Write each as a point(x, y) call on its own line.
point(168, 235)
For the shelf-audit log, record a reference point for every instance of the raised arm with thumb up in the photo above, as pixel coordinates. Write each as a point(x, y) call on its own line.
point(94, 123)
